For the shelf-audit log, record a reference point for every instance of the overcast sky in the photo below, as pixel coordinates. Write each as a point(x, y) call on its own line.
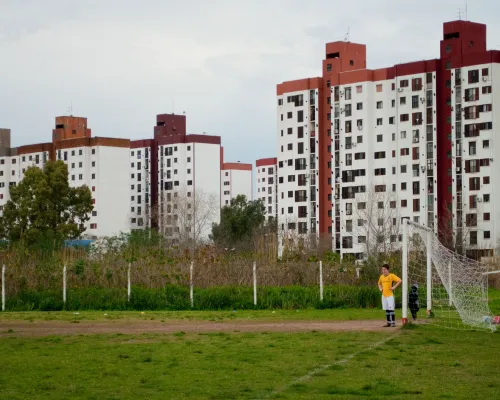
point(122, 62)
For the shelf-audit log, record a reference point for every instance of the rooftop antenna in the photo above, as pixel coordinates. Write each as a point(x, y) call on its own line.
point(70, 109)
point(346, 37)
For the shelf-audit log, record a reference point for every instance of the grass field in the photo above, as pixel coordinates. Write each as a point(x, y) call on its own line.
point(423, 363)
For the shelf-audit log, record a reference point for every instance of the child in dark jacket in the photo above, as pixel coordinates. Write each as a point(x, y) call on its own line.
point(413, 301)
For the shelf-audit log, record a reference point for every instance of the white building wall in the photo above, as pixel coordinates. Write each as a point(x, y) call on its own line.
point(140, 188)
point(267, 188)
point(186, 168)
point(207, 177)
point(298, 161)
point(112, 183)
point(480, 148)
point(236, 182)
point(376, 166)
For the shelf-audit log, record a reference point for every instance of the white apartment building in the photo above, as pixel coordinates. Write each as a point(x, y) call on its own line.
point(100, 163)
point(298, 163)
point(236, 179)
point(412, 140)
point(474, 154)
point(267, 185)
point(140, 184)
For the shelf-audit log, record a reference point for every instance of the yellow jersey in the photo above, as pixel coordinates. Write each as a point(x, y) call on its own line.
point(386, 282)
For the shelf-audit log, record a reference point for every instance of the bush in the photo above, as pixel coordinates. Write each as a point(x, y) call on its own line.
point(176, 297)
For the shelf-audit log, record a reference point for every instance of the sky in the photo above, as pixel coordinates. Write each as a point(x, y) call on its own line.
point(121, 62)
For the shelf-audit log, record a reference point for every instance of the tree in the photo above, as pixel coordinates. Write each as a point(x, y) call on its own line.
point(43, 205)
point(185, 216)
point(239, 221)
point(373, 219)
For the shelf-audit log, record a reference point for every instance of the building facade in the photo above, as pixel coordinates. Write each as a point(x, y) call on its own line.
point(267, 185)
point(413, 140)
point(236, 179)
point(171, 182)
point(100, 163)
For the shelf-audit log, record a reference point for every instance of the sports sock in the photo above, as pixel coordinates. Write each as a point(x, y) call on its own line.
point(393, 316)
point(388, 316)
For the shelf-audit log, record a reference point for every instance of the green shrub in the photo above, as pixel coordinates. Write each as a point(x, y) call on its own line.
point(176, 297)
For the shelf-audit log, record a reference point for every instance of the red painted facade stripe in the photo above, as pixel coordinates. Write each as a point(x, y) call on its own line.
point(263, 162)
point(297, 85)
point(237, 166)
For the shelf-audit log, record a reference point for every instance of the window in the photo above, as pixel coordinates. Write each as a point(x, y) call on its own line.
point(348, 225)
point(380, 188)
point(380, 105)
point(300, 116)
point(379, 171)
point(348, 160)
point(416, 205)
point(392, 120)
point(93, 226)
point(486, 144)
point(359, 106)
point(417, 118)
point(473, 76)
point(403, 83)
point(329, 67)
point(348, 126)
point(486, 198)
point(348, 93)
point(486, 90)
point(474, 183)
point(404, 117)
point(486, 216)
point(289, 115)
point(414, 101)
point(379, 138)
point(472, 148)
point(379, 154)
point(402, 101)
point(405, 151)
point(379, 121)
point(486, 180)
point(486, 234)
point(300, 132)
point(472, 201)
point(379, 88)
point(403, 134)
point(403, 186)
point(404, 203)
point(471, 220)
point(473, 238)
point(416, 84)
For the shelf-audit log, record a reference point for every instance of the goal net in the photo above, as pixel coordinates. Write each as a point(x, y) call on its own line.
point(448, 289)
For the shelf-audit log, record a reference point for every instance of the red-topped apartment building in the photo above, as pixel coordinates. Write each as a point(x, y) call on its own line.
point(361, 148)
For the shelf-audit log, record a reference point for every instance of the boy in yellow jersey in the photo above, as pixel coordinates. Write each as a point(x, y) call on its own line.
point(385, 284)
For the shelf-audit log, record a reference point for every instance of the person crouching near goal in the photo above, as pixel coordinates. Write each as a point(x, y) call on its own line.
point(385, 284)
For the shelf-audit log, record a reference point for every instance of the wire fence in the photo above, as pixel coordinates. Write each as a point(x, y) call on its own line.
point(204, 284)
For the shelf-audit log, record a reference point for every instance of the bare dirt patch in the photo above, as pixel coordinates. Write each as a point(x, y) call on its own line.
point(47, 328)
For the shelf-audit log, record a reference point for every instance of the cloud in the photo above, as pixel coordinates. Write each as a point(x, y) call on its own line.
point(122, 62)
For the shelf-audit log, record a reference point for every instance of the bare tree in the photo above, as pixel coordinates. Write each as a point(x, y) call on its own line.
point(185, 216)
point(373, 219)
point(461, 232)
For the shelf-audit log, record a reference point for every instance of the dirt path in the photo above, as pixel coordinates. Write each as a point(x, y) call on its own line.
point(46, 328)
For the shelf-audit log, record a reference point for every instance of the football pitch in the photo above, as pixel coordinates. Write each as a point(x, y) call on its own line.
point(306, 354)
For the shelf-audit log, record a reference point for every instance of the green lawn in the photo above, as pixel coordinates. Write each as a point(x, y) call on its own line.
point(420, 363)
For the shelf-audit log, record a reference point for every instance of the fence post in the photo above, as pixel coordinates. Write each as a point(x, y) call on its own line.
point(129, 286)
point(64, 284)
point(321, 280)
point(3, 287)
point(450, 287)
point(254, 283)
point(191, 297)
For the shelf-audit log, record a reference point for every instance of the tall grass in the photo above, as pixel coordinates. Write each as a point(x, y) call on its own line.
point(176, 297)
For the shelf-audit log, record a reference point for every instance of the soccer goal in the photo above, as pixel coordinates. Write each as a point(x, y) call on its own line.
point(452, 289)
